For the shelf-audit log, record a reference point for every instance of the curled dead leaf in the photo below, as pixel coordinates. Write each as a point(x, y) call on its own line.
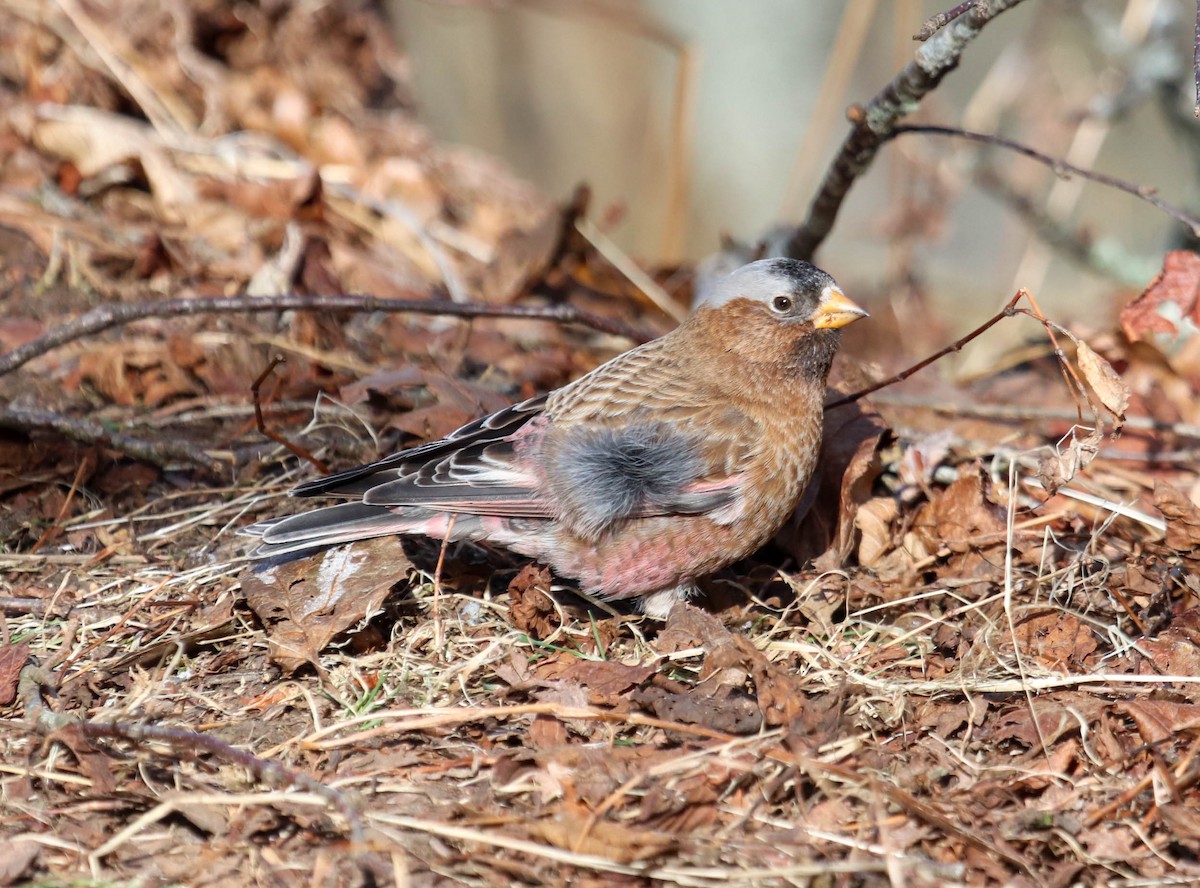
point(874, 524)
point(1057, 641)
point(959, 516)
point(1167, 314)
point(1062, 464)
point(1182, 517)
point(1104, 380)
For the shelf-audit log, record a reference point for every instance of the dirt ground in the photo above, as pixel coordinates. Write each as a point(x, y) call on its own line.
point(974, 660)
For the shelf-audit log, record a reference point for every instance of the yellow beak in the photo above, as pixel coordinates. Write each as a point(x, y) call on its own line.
point(835, 310)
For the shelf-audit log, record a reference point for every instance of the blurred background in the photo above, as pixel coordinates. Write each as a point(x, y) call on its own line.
point(697, 118)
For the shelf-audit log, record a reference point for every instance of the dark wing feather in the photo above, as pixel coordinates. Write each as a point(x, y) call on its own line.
point(471, 470)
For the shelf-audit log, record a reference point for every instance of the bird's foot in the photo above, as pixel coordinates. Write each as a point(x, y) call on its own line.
point(657, 605)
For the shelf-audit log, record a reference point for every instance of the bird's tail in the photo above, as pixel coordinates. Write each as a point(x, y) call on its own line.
point(346, 523)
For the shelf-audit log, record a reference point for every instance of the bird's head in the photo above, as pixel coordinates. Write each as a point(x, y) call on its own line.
point(777, 311)
point(787, 291)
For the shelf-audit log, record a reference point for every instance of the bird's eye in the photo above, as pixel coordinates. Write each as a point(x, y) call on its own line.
point(781, 304)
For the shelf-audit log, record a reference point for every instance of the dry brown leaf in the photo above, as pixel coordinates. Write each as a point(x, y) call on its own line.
point(1109, 843)
point(718, 707)
point(453, 402)
point(1167, 314)
point(944, 719)
point(1104, 380)
point(1183, 822)
point(95, 141)
point(1174, 652)
point(1062, 464)
point(12, 660)
point(305, 603)
point(547, 732)
point(1052, 770)
point(91, 139)
point(1181, 514)
point(779, 696)
point(521, 257)
point(690, 627)
point(1161, 720)
point(922, 457)
point(874, 524)
point(603, 838)
point(731, 661)
point(1057, 716)
point(93, 762)
point(277, 274)
point(1056, 640)
point(530, 608)
point(431, 422)
point(686, 804)
point(140, 371)
point(603, 678)
point(959, 515)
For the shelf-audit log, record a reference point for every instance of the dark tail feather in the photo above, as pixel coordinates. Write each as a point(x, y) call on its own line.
point(330, 526)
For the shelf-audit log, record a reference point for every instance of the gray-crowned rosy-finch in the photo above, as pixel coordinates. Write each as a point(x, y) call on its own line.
point(667, 463)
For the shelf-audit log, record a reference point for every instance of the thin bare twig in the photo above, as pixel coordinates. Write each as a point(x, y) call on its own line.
point(171, 451)
point(265, 771)
point(55, 527)
point(36, 606)
point(159, 452)
point(1070, 377)
point(109, 316)
point(1007, 312)
point(261, 422)
point(873, 125)
point(935, 23)
point(45, 720)
point(1061, 167)
point(1033, 413)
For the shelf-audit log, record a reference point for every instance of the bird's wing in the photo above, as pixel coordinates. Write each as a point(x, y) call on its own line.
point(677, 450)
point(647, 379)
point(474, 470)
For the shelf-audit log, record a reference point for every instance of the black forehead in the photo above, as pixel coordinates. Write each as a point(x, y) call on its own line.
point(801, 277)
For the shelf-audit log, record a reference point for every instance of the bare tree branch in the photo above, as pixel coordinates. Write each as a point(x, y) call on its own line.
point(935, 23)
point(46, 721)
point(172, 451)
point(1007, 312)
point(160, 452)
point(109, 316)
point(874, 124)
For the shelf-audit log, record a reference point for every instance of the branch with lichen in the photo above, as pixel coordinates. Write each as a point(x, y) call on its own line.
point(874, 124)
